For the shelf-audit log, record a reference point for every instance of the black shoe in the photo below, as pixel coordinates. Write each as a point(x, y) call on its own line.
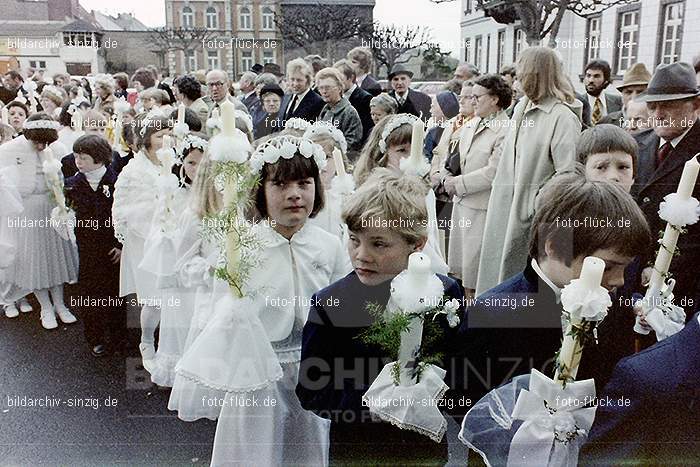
point(99, 351)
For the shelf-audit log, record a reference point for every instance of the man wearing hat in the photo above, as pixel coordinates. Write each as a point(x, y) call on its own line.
point(634, 82)
point(672, 99)
point(408, 100)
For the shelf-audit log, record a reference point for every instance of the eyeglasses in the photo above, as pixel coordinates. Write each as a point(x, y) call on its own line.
point(325, 88)
point(215, 84)
point(475, 97)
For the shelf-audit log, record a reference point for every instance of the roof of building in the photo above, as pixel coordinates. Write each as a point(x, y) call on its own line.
point(128, 22)
point(80, 25)
point(31, 28)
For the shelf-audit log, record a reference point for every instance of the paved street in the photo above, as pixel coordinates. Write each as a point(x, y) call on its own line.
point(56, 368)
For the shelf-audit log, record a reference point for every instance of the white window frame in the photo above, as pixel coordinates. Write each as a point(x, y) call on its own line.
point(629, 34)
point(519, 43)
point(593, 33)
point(187, 17)
point(268, 56)
point(213, 60)
point(674, 38)
point(246, 60)
point(212, 18)
point(191, 60)
point(245, 18)
point(267, 18)
point(478, 51)
point(501, 49)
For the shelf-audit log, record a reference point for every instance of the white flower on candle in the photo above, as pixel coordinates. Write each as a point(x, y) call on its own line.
point(679, 211)
point(584, 303)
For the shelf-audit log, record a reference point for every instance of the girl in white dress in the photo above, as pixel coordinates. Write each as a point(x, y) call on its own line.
point(135, 203)
point(329, 138)
point(252, 346)
point(43, 260)
point(197, 257)
point(177, 298)
point(388, 144)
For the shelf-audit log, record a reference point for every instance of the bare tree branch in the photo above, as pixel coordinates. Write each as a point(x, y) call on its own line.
point(391, 44)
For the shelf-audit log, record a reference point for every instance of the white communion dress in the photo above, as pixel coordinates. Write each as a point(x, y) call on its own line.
point(251, 348)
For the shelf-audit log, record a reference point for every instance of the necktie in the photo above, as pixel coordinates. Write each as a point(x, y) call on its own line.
point(663, 152)
point(597, 111)
point(292, 104)
point(401, 100)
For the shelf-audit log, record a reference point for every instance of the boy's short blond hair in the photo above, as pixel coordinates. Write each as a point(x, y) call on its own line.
point(397, 200)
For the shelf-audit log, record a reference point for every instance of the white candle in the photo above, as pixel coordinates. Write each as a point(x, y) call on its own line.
point(570, 354)
point(417, 141)
point(77, 120)
point(670, 238)
point(117, 131)
point(181, 113)
point(418, 273)
point(338, 160)
point(228, 118)
point(167, 142)
point(5, 116)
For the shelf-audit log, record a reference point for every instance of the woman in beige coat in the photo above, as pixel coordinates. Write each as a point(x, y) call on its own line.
point(479, 152)
point(541, 142)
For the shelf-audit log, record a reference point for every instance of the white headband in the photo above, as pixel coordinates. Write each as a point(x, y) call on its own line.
point(323, 128)
point(395, 122)
point(41, 125)
point(286, 147)
point(190, 142)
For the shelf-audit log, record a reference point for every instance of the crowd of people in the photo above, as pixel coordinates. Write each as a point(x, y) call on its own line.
point(524, 179)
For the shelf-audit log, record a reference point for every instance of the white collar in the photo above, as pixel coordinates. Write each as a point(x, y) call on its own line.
point(349, 92)
point(94, 176)
point(545, 279)
point(677, 139)
point(360, 79)
point(246, 96)
point(603, 102)
point(301, 96)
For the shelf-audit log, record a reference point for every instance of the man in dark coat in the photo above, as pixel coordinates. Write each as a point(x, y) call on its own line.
point(648, 412)
point(673, 100)
point(358, 97)
point(361, 59)
point(409, 101)
point(301, 101)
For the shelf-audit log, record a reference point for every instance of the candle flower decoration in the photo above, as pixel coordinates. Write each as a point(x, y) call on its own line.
point(231, 144)
point(416, 163)
point(62, 217)
point(679, 210)
point(404, 331)
point(180, 129)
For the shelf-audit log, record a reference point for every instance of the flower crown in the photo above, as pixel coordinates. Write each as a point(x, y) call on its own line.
point(286, 147)
point(191, 142)
point(395, 122)
point(296, 123)
point(41, 125)
point(323, 128)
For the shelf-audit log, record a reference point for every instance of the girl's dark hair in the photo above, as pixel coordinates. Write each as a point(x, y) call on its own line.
point(94, 146)
point(122, 80)
point(189, 86)
point(41, 135)
point(288, 170)
point(498, 87)
point(191, 119)
point(152, 125)
point(65, 118)
point(20, 105)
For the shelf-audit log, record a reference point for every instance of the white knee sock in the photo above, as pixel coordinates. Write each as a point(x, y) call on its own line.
point(57, 296)
point(43, 297)
point(150, 317)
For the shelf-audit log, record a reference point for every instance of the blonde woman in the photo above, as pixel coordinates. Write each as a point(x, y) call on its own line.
point(540, 142)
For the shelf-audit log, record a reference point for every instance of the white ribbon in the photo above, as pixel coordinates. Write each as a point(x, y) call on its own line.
point(552, 415)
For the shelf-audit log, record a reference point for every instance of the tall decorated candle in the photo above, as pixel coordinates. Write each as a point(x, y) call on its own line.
point(181, 113)
point(5, 116)
point(233, 254)
point(670, 238)
point(338, 161)
point(417, 141)
point(418, 273)
point(580, 290)
point(77, 120)
point(117, 131)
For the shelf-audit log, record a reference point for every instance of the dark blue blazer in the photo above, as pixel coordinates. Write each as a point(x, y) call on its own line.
point(658, 419)
point(336, 318)
point(308, 109)
point(371, 85)
point(360, 100)
point(516, 326)
point(69, 169)
point(417, 103)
